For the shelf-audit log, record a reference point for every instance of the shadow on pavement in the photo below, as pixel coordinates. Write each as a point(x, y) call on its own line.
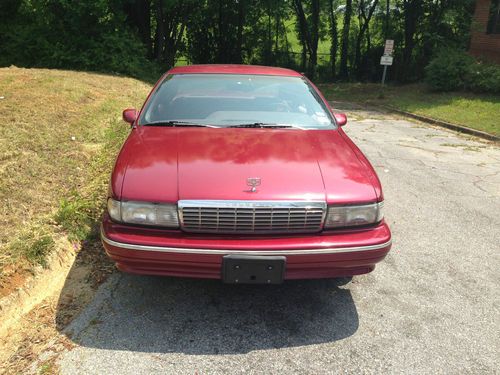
point(169, 315)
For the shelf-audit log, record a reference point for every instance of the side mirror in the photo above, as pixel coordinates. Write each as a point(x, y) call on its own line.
point(130, 115)
point(340, 118)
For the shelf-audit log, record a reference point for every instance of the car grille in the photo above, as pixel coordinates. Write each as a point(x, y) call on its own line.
point(251, 216)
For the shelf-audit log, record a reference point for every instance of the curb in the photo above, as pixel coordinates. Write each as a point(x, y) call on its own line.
point(444, 124)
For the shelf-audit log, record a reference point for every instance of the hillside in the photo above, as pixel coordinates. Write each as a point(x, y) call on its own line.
point(60, 133)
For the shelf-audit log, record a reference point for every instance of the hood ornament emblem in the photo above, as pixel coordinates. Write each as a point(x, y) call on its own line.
point(253, 182)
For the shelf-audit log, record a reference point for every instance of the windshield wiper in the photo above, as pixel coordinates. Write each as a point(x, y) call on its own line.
point(175, 123)
point(266, 125)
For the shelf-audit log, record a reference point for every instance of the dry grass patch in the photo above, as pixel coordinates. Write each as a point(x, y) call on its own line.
point(60, 133)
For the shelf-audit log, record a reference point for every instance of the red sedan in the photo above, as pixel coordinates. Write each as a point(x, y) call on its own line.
point(242, 173)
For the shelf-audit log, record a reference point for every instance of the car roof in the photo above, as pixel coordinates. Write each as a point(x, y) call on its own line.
point(234, 69)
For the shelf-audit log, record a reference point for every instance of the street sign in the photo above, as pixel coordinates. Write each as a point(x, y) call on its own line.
point(386, 60)
point(389, 47)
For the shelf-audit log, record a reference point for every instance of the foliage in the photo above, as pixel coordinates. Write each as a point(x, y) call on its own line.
point(39, 249)
point(448, 70)
point(85, 35)
point(34, 245)
point(484, 77)
point(453, 69)
point(75, 217)
point(325, 38)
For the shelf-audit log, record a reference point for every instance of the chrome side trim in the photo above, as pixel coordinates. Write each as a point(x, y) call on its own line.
point(163, 249)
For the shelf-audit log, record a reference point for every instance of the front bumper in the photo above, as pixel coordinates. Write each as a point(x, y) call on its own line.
point(174, 253)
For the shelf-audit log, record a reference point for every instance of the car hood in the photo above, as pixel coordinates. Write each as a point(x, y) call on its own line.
point(167, 164)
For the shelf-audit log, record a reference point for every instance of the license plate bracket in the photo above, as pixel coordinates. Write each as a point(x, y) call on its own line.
point(252, 269)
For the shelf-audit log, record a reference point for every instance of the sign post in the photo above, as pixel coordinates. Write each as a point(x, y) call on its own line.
point(387, 59)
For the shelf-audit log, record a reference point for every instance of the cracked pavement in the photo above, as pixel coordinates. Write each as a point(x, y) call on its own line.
point(431, 306)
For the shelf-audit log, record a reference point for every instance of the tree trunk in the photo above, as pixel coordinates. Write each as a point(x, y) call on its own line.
point(139, 16)
point(303, 31)
point(344, 73)
point(387, 19)
point(334, 38)
point(303, 58)
point(241, 24)
point(364, 22)
point(277, 32)
point(269, 42)
point(221, 47)
point(309, 36)
point(173, 42)
point(313, 57)
point(411, 10)
point(160, 32)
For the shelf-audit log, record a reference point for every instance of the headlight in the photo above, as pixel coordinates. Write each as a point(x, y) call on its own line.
point(144, 213)
point(350, 216)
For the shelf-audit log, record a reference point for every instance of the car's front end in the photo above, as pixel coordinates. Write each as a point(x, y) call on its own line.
point(246, 204)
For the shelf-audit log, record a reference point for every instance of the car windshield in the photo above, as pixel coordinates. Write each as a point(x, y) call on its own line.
point(225, 100)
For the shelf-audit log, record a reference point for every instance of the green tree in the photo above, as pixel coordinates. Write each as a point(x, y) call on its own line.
point(309, 29)
point(344, 70)
point(334, 37)
point(141, 37)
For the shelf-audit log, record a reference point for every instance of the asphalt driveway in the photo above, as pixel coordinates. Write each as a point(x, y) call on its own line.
point(431, 306)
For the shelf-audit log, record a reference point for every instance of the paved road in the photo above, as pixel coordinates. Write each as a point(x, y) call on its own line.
point(431, 306)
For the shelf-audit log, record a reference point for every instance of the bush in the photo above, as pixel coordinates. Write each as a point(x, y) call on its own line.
point(456, 70)
point(86, 35)
point(448, 70)
point(483, 77)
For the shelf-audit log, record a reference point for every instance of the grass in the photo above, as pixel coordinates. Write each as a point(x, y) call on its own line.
point(61, 131)
point(75, 216)
point(33, 244)
point(475, 111)
point(48, 368)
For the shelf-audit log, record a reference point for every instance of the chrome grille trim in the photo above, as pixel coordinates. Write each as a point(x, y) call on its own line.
point(247, 217)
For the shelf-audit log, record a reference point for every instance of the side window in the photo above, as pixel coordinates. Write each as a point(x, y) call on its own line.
point(494, 19)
